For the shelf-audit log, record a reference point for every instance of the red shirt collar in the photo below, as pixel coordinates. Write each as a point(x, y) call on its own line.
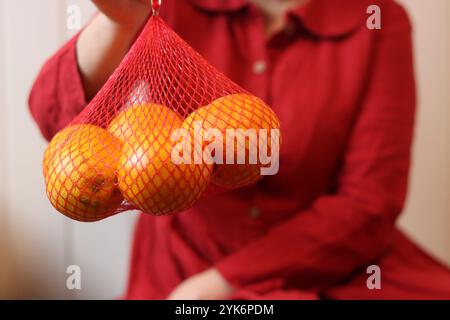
point(220, 5)
point(328, 18)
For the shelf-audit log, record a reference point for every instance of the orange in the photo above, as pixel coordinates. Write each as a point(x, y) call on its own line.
point(143, 118)
point(150, 180)
point(55, 144)
point(236, 111)
point(80, 172)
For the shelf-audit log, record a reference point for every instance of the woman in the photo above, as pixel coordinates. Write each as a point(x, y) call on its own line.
point(345, 97)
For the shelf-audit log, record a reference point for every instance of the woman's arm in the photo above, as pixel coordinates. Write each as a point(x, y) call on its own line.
point(57, 94)
point(77, 71)
point(104, 43)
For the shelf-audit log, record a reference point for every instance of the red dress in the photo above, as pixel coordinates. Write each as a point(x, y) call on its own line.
point(345, 96)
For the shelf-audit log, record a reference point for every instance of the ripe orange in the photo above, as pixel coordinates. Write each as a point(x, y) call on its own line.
point(80, 172)
point(148, 177)
point(142, 118)
point(56, 143)
point(236, 111)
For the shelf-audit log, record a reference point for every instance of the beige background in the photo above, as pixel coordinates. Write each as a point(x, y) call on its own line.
point(37, 244)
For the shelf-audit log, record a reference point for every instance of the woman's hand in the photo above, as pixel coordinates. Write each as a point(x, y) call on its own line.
point(208, 285)
point(127, 13)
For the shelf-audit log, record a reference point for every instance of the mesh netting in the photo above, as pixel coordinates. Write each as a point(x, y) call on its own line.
point(118, 154)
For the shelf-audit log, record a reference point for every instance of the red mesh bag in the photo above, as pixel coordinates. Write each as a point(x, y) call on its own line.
point(137, 144)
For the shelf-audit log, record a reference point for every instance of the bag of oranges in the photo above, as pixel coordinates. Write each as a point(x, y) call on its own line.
point(164, 127)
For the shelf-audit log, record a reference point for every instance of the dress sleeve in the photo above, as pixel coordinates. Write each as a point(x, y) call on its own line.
point(347, 230)
point(57, 95)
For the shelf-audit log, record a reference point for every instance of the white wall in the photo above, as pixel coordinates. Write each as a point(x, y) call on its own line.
point(427, 215)
point(37, 244)
point(41, 242)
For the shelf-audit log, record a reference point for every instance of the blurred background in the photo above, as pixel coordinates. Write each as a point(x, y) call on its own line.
point(37, 244)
